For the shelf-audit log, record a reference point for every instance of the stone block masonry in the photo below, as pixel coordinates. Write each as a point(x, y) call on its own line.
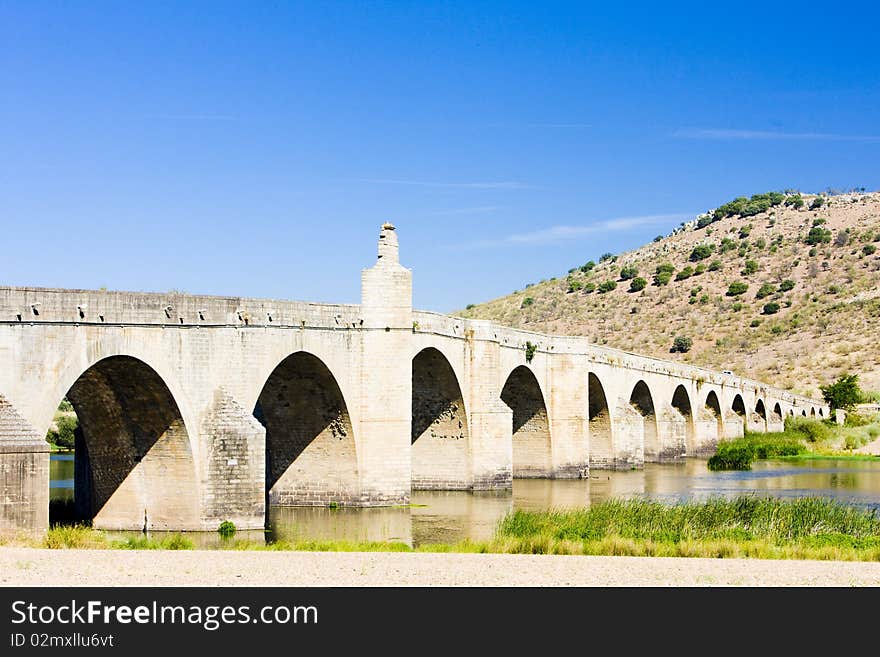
point(199, 409)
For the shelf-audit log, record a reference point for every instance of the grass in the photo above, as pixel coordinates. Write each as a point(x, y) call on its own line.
point(738, 454)
point(803, 438)
point(743, 527)
point(85, 538)
point(811, 528)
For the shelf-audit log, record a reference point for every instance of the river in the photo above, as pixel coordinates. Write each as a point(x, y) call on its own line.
point(443, 517)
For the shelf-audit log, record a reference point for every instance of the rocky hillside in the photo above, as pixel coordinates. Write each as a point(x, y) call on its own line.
point(784, 288)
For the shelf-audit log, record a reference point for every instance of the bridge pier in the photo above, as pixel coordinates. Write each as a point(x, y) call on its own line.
point(756, 423)
point(568, 418)
point(706, 434)
point(672, 433)
point(24, 476)
point(628, 437)
point(733, 426)
point(775, 423)
point(491, 420)
point(233, 467)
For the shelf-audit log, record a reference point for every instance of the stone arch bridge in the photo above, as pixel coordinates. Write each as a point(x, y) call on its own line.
point(195, 409)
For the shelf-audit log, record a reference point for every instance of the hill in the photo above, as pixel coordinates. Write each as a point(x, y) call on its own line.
point(781, 287)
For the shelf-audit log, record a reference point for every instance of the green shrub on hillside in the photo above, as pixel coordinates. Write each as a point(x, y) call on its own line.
point(588, 266)
point(817, 203)
point(589, 287)
point(663, 273)
point(771, 309)
point(747, 207)
point(685, 273)
point(681, 344)
point(727, 244)
point(528, 301)
point(796, 201)
point(869, 249)
point(628, 272)
point(607, 286)
point(737, 288)
point(637, 284)
point(750, 267)
point(765, 290)
point(786, 285)
point(701, 252)
point(715, 265)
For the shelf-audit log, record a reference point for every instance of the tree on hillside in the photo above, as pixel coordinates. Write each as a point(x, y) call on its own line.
point(843, 393)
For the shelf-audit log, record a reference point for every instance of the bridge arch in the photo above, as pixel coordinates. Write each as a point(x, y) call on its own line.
point(643, 401)
point(681, 402)
point(804, 413)
point(600, 425)
point(311, 450)
point(135, 463)
point(760, 409)
point(440, 435)
point(532, 449)
point(713, 405)
point(813, 411)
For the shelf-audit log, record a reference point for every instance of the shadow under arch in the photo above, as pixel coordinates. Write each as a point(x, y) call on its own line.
point(681, 402)
point(739, 407)
point(601, 436)
point(134, 465)
point(777, 413)
point(532, 450)
point(761, 410)
point(311, 454)
point(441, 458)
point(812, 412)
point(713, 404)
point(642, 400)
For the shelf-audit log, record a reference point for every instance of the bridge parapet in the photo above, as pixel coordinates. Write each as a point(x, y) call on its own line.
point(53, 305)
point(513, 338)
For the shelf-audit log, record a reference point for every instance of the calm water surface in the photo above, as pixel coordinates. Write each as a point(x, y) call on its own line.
point(443, 517)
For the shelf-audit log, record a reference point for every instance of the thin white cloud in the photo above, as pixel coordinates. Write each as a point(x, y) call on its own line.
point(722, 133)
point(459, 185)
point(557, 234)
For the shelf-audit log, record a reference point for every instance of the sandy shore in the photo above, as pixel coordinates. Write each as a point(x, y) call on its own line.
point(41, 567)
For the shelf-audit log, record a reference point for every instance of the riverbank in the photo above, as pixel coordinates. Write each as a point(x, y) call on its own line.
point(39, 567)
point(743, 527)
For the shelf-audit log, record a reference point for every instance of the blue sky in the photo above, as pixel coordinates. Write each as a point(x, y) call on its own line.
point(255, 148)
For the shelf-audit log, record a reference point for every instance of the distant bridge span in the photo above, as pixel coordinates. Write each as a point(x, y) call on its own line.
point(196, 409)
